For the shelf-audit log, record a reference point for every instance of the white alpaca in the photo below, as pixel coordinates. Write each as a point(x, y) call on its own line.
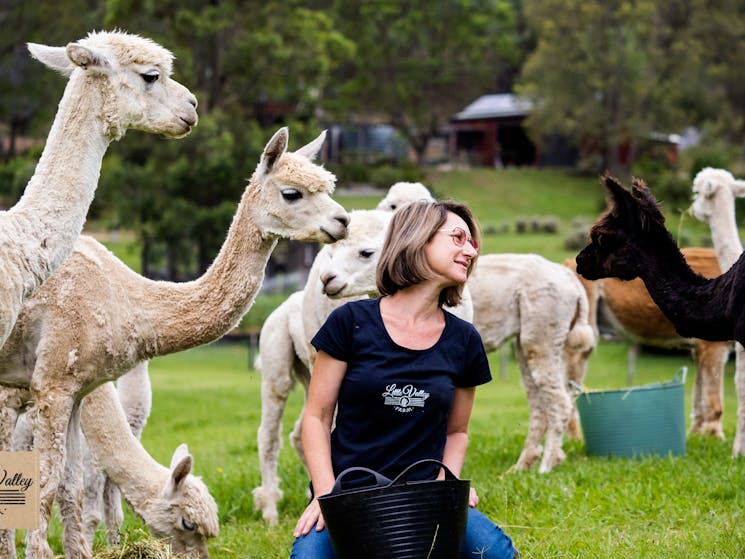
point(545, 308)
point(340, 273)
point(714, 192)
point(402, 193)
point(175, 505)
point(117, 81)
point(95, 319)
point(285, 353)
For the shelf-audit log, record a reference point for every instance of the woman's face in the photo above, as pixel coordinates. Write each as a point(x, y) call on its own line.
point(450, 251)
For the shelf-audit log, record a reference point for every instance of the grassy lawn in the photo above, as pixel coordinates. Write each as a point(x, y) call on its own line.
point(588, 507)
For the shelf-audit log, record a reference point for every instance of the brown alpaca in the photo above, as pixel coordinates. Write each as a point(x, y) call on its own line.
point(630, 240)
point(633, 312)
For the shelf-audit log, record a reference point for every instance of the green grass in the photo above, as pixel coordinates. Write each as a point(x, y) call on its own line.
point(677, 507)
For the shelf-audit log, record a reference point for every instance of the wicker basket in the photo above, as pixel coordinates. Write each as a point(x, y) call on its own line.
point(636, 421)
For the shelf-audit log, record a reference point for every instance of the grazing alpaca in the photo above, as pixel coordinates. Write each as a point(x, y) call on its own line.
point(116, 81)
point(630, 240)
point(545, 308)
point(635, 315)
point(175, 505)
point(714, 192)
point(95, 319)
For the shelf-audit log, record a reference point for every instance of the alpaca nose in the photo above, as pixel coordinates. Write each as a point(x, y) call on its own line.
point(343, 219)
point(327, 278)
point(193, 100)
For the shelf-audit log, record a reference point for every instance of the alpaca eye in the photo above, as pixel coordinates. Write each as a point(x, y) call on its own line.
point(393, 206)
point(188, 525)
point(151, 76)
point(366, 253)
point(291, 194)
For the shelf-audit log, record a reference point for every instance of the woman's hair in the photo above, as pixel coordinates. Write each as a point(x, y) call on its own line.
point(403, 262)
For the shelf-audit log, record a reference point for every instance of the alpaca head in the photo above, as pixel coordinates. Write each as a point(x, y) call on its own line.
point(402, 193)
point(131, 79)
point(293, 194)
point(714, 191)
point(347, 268)
point(624, 234)
point(185, 513)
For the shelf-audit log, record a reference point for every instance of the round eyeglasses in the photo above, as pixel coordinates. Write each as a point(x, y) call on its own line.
point(459, 236)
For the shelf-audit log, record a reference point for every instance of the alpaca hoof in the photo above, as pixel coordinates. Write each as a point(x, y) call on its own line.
point(264, 502)
point(528, 457)
point(738, 448)
point(550, 462)
point(709, 428)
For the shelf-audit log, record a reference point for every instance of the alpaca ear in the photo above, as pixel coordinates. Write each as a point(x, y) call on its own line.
point(87, 58)
point(181, 464)
point(617, 192)
point(274, 149)
point(312, 149)
point(53, 57)
point(738, 188)
point(646, 202)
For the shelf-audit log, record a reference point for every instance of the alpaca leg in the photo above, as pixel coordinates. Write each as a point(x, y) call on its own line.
point(711, 358)
point(70, 494)
point(738, 448)
point(532, 448)
point(49, 416)
point(112, 506)
point(275, 389)
point(94, 480)
point(697, 403)
point(576, 366)
point(550, 378)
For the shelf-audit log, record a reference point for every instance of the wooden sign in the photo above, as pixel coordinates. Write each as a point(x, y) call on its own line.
point(19, 490)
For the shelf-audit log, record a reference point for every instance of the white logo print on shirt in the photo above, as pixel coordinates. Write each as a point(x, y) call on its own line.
point(404, 399)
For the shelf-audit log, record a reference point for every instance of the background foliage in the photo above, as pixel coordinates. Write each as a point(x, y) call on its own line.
point(602, 74)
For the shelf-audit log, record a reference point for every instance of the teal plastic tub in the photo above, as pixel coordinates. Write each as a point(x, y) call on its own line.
point(637, 421)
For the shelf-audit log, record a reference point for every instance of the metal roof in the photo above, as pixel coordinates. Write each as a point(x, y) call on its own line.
point(494, 106)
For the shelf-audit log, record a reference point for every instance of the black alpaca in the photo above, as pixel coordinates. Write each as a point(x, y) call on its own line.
point(630, 240)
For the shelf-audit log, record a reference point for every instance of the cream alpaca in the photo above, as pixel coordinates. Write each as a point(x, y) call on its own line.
point(175, 505)
point(714, 192)
point(284, 345)
point(544, 307)
point(116, 81)
point(95, 319)
point(402, 193)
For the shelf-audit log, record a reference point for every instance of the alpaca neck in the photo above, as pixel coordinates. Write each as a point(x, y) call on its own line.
point(117, 451)
point(686, 298)
point(54, 205)
point(724, 234)
point(186, 315)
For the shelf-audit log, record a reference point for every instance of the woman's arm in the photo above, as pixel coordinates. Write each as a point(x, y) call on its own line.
point(318, 417)
point(457, 438)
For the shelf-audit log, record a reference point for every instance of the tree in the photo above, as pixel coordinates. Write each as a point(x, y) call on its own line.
point(608, 74)
point(419, 62)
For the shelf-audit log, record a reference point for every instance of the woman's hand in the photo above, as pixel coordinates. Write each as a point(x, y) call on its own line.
point(473, 498)
point(311, 515)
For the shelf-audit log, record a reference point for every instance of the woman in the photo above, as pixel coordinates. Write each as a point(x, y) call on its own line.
point(402, 372)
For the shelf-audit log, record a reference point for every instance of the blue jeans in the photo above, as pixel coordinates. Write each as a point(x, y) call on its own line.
point(483, 540)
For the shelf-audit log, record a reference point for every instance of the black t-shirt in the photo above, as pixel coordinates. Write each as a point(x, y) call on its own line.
point(394, 402)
